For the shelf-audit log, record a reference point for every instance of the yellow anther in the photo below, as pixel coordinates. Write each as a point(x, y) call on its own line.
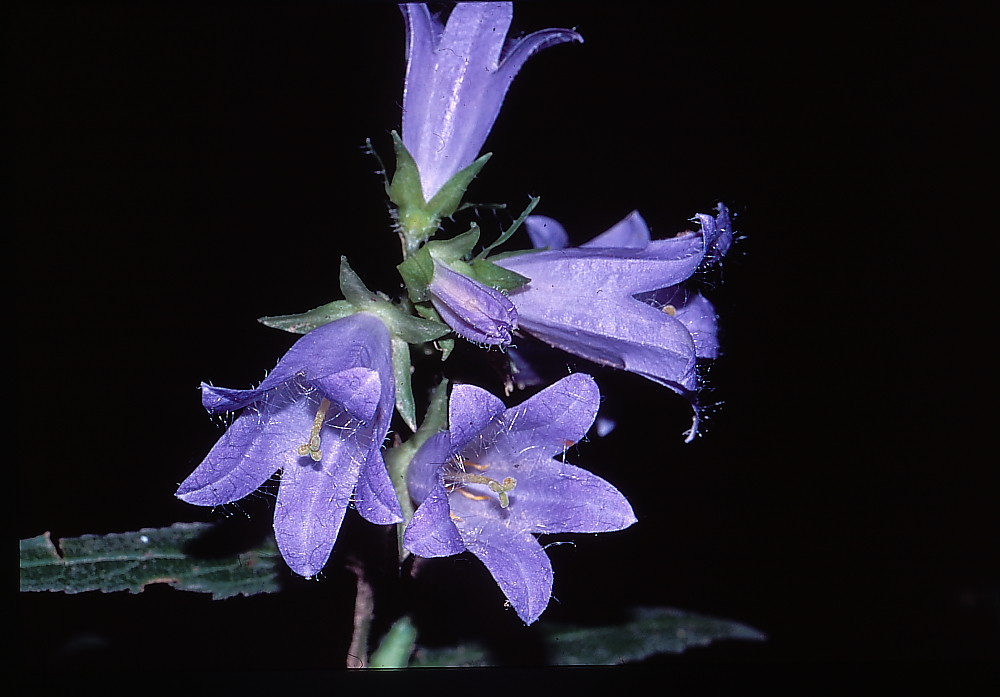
point(670, 310)
point(313, 447)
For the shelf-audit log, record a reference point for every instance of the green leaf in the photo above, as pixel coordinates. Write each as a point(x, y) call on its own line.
point(647, 632)
point(133, 560)
point(467, 655)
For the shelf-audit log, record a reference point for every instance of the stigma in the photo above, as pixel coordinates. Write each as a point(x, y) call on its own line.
point(501, 489)
point(314, 447)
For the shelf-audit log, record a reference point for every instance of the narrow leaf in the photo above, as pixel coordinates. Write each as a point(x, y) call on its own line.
point(512, 229)
point(649, 631)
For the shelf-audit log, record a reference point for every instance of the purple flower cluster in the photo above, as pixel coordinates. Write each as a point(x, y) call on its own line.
point(496, 476)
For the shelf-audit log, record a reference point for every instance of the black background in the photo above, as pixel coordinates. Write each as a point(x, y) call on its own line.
point(182, 170)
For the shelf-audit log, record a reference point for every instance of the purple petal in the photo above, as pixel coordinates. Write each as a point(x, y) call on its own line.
point(516, 561)
point(546, 232)
point(312, 501)
point(474, 311)
point(470, 410)
point(588, 272)
point(431, 532)
point(375, 497)
point(261, 441)
point(545, 425)
point(447, 106)
point(631, 232)
point(554, 497)
point(357, 390)
point(346, 343)
point(718, 232)
point(425, 468)
point(695, 312)
point(628, 335)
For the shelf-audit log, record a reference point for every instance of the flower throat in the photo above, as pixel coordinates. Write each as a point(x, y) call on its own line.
point(499, 488)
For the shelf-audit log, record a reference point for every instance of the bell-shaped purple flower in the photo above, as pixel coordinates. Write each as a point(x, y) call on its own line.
point(497, 478)
point(457, 76)
point(583, 299)
point(619, 299)
point(474, 311)
point(320, 417)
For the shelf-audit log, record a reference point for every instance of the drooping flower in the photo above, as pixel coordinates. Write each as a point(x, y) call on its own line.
point(620, 299)
point(320, 417)
point(457, 76)
point(474, 311)
point(497, 477)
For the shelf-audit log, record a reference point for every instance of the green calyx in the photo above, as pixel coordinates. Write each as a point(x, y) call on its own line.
point(417, 218)
point(358, 298)
point(405, 329)
point(418, 270)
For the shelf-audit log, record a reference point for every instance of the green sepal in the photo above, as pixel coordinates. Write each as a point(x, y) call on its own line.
point(457, 248)
point(401, 367)
point(449, 196)
point(354, 289)
point(400, 322)
point(398, 458)
point(405, 189)
point(489, 274)
point(428, 312)
point(512, 229)
point(417, 270)
point(305, 322)
point(418, 218)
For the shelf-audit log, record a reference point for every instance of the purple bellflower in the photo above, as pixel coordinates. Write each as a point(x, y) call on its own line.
point(320, 417)
point(619, 299)
point(474, 311)
point(457, 76)
point(496, 478)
